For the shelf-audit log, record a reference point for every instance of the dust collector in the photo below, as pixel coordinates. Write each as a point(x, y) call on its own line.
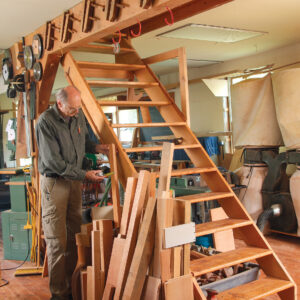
point(261, 121)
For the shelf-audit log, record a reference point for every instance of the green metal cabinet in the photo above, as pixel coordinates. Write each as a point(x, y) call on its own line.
point(16, 239)
point(18, 193)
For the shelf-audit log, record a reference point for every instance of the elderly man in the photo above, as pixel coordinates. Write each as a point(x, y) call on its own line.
point(62, 141)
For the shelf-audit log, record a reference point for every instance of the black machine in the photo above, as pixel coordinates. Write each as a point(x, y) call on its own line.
point(277, 201)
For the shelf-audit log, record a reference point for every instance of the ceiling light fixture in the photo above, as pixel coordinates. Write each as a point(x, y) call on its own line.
point(211, 33)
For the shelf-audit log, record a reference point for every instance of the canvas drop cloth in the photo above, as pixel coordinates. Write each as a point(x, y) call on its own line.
point(253, 114)
point(286, 87)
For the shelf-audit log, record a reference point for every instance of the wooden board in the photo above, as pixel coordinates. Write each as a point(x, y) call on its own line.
point(132, 232)
point(114, 264)
point(96, 265)
point(145, 114)
point(128, 84)
point(142, 254)
point(106, 243)
point(165, 265)
point(161, 57)
point(257, 289)
point(128, 201)
point(223, 241)
point(83, 282)
point(15, 183)
point(10, 171)
point(179, 235)
point(179, 288)
point(103, 212)
point(187, 247)
point(198, 294)
point(176, 261)
point(152, 288)
point(115, 184)
point(163, 185)
point(227, 259)
point(90, 283)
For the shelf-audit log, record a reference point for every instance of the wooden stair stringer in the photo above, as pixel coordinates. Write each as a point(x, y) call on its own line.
point(96, 117)
point(215, 181)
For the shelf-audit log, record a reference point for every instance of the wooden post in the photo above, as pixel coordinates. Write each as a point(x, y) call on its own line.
point(115, 184)
point(184, 87)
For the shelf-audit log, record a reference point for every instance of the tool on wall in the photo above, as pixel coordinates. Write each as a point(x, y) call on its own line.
point(112, 9)
point(37, 71)
point(11, 91)
point(146, 3)
point(37, 46)
point(117, 47)
point(26, 81)
point(139, 32)
point(7, 70)
point(89, 15)
point(19, 83)
point(49, 35)
point(28, 57)
point(172, 17)
point(67, 27)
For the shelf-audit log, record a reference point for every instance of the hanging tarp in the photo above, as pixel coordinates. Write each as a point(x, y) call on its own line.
point(287, 102)
point(253, 114)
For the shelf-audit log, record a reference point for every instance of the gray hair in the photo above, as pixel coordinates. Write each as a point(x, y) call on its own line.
point(62, 95)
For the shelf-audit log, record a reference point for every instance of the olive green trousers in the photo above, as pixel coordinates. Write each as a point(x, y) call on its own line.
point(61, 220)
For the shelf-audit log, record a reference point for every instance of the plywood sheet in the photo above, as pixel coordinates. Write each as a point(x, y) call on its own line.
point(179, 235)
point(179, 288)
point(223, 241)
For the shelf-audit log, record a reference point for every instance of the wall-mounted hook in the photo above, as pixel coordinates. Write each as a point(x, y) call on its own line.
point(119, 41)
point(172, 17)
point(140, 30)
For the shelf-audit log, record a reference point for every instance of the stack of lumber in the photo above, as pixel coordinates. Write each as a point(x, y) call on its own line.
point(146, 257)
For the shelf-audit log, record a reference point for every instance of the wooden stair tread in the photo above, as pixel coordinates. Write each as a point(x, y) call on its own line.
point(190, 171)
point(133, 103)
point(159, 148)
point(100, 49)
point(221, 225)
point(227, 259)
point(206, 196)
point(129, 84)
point(138, 125)
point(256, 289)
point(109, 66)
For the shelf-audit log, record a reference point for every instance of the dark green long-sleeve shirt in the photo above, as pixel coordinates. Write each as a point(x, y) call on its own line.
point(62, 144)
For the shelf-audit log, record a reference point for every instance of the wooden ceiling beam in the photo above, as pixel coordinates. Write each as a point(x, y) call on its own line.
point(151, 19)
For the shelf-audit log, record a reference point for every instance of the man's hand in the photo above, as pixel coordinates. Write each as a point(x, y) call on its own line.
point(92, 175)
point(102, 149)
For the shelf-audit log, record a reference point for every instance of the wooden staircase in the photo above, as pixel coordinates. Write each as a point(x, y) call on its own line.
point(132, 72)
